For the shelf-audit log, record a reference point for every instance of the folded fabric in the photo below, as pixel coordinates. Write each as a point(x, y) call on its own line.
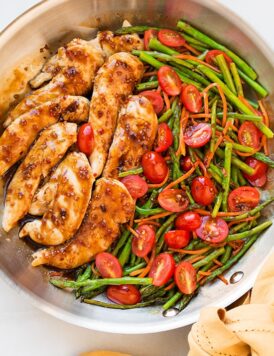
point(245, 330)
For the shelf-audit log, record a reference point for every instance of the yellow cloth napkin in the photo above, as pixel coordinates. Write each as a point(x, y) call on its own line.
point(245, 330)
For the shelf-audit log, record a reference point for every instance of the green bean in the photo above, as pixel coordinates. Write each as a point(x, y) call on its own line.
point(236, 162)
point(250, 212)
point(227, 254)
point(241, 179)
point(134, 29)
point(245, 234)
point(237, 79)
point(125, 254)
point(97, 283)
point(128, 270)
point(226, 72)
point(213, 125)
point(148, 212)
point(235, 100)
point(211, 43)
point(138, 170)
point(124, 306)
point(217, 205)
point(147, 85)
point(232, 260)
point(243, 117)
point(227, 168)
point(165, 116)
point(172, 301)
point(212, 256)
point(121, 242)
point(254, 85)
point(262, 157)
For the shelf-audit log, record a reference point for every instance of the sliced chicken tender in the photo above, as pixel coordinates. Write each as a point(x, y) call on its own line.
point(73, 183)
point(135, 133)
point(98, 231)
point(17, 138)
point(115, 80)
point(73, 71)
point(45, 154)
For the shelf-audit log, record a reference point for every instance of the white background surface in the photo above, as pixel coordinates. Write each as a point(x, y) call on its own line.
point(26, 331)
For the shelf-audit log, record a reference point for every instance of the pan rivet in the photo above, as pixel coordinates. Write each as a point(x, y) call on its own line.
point(236, 277)
point(171, 312)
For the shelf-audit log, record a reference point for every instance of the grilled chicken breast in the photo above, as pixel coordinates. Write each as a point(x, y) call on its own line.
point(72, 70)
point(114, 82)
point(17, 138)
point(73, 74)
point(135, 133)
point(46, 152)
point(71, 186)
point(98, 230)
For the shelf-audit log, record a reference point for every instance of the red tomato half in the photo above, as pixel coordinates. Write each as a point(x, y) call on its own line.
point(174, 200)
point(243, 199)
point(142, 245)
point(186, 277)
point(249, 135)
point(136, 185)
point(212, 230)
point(85, 139)
point(155, 98)
point(189, 221)
point(124, 294)
point(169, 81)
point(203, 190)
point(186, 163)
point(164, 138)
point(171, 38)
point(211, 57)
point(148, 36)
point(154, 166)
point(197, 135)
point(162, 269)
point(108, 265)
point(258, 179)
point(177, 238)
point(191, 98)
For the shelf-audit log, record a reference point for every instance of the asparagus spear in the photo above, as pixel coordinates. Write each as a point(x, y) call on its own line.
point(237, 79)
point(172, 301)
point(237, 162)
point(165, 116)
point(134, 29)
point(213, 44)
point(131, 171)
point(243, 117)
point(215, 254)
point(255, 230)
point(226, 72)
point(213, 125)
point(124, 306)
point(262, 157)
point(148, 212)
point(147, 85)
point(217, 205)
point(121, 242)
point(254, 85)
point(227, 254)
point(227, 168)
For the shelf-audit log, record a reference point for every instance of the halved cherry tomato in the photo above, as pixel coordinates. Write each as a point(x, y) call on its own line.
point(243, 199)
point(197, 135)
point(203, 190)
point(177, 238)
point(169, 81)
point(258, 182)
point(211, 57)
point(164, 138)
point(148, 36)
point(171, 38)
point(186, 163)
point(124, 294)
point(212, 230)
point(142, 245)
point(154, 166)
point(174, 200)
point(108, 265)
point(162, 269)
point(155, 98)
point(185, 277)
point(259, 167)
point(136, 185)
point(189, 221)
point(191, 98)
point(85, 139)
point(249, 135)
